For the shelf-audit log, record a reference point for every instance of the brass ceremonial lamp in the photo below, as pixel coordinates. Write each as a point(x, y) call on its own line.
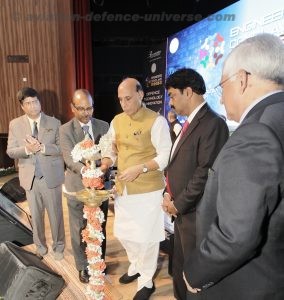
point(90, 196)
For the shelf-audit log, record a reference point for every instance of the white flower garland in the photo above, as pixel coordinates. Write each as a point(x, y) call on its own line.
point(92, 234)
point(92, 173)
point(79, 152)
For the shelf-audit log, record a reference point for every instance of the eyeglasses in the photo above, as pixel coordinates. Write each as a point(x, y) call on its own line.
point(81, 109)
point(31, 103)
point(219, 88)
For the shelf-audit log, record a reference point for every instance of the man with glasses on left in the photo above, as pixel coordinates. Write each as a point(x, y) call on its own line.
point(34, 140)
point(72, 133)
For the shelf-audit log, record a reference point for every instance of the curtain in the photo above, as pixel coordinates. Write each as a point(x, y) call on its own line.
point(83, 45)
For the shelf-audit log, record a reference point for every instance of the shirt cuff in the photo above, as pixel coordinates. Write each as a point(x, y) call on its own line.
point(42, 150)
point(28, 152)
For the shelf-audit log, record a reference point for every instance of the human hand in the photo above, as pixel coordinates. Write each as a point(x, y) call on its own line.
point(166, 202)
point(32, 144)
point(189, 288)
point(130, 173)
point(113, 193)
point(104, 167)
point(168, 205)
point(87, 163)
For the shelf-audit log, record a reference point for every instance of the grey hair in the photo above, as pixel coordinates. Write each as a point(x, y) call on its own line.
point(261, 55)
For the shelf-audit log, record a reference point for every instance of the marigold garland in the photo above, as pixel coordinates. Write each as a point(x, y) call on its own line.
point(96, 183)
point(92, 235)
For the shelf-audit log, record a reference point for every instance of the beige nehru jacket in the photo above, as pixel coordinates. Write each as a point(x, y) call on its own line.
point(133, 141)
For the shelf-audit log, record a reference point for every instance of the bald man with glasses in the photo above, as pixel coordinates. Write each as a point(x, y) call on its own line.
point(72, 133)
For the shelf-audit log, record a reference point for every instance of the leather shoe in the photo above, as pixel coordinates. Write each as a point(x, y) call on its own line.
point(41, 252)
point(144, 293)
point(125, 278)
point(58, 255)
point(84, 276)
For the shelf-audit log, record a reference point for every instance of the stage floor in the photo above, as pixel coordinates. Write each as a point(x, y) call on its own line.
point(116, 261)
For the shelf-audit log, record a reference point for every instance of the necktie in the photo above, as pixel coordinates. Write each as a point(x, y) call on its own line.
point(86, 131)
point(184, 128)
point(35, 130)
point(38, 172)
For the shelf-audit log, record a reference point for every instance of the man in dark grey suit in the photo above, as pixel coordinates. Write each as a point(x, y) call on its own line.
point(34, 140)
point(70, 134)
point(192, 154)
point(240, 220)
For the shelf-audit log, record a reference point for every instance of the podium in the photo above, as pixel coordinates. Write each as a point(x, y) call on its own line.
point(24, 276)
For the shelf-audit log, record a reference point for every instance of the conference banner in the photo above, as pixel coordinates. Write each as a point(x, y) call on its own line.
point(205, 45)
point(155, 78)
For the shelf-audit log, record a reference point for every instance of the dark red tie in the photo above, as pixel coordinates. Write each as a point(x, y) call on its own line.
point(184, 128)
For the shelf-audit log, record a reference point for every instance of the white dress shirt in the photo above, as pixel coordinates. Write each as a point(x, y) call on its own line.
point(90, 128)
point(189, 119)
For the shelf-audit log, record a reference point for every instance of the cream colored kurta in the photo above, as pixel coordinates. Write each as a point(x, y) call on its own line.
point(139, 217)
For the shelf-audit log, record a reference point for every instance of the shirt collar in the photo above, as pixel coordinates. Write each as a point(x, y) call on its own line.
point(31, 121)
point(194, 112)
point(88, 124)
point(254, 103)
point(90, 129)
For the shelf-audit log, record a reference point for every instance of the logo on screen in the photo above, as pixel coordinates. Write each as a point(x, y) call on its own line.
point(212, 50)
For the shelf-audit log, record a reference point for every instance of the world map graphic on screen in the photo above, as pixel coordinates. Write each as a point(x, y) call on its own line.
point(205, 45)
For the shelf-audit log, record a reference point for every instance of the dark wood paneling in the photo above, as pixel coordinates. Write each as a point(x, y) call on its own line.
point(43, 30)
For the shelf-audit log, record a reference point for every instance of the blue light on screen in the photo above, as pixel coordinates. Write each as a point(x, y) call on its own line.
point(204, 45)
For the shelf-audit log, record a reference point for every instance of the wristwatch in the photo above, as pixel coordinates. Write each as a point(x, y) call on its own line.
point(145, 169)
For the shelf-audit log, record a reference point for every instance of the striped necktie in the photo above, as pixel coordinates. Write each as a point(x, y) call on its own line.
point(86, 131)
point(35, 130)
point(38, 172)
point(184, 128)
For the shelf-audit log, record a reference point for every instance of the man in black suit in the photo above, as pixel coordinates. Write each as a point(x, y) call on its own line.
point(192, 154)
point(240, 220)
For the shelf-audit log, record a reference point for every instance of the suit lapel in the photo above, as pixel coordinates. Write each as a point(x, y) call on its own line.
point(79, 134)
point(42, 126)
point(193, 124)
point(96, 131)
point(93, 125)
point(27, 126)
point(273, 99)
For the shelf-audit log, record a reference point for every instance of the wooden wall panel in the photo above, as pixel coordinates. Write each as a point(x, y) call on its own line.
point(38, 29)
